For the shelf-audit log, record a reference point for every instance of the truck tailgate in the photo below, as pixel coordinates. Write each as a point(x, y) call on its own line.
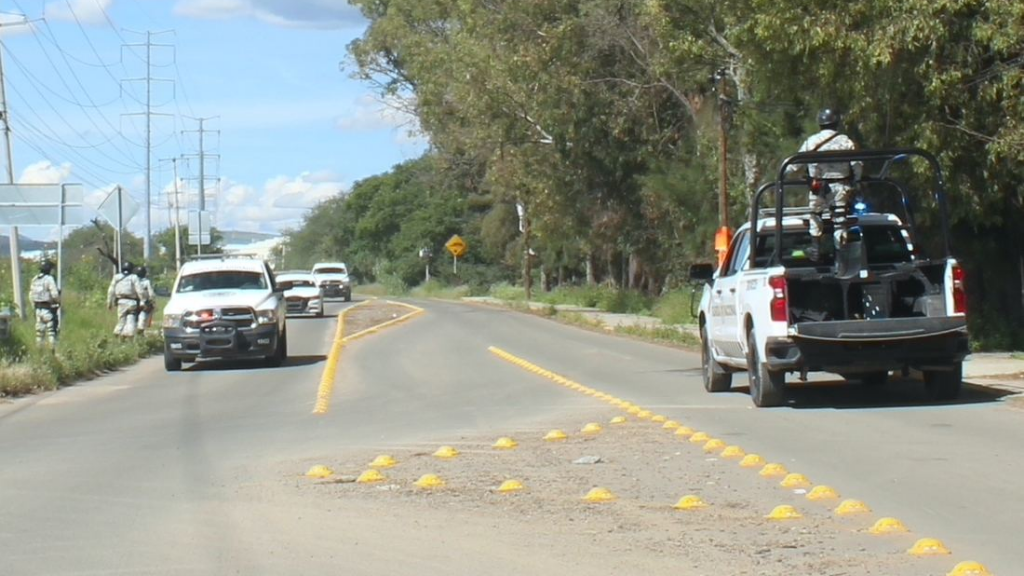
point(879, 330)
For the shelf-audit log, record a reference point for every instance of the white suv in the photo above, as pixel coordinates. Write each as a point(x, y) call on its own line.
point(332, 278)
point(225, 307)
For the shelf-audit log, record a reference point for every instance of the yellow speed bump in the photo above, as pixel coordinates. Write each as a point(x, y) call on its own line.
point(504, 443)
point(699, 438)
point(929, 547)
point(429, 482)
point(446, 453)
point(795, 480)
point(772, 470)
point(591, 428)
point(659, 419)
point(784, 512)
point(671, 425)
point(618, 420)
point(555, 436)
point(371, 476)
point(752, 461)
point(690, 502)
point(684, 432)
point(970, 568)
point(383, 461)
point(823, 493)
point(598, 495)
point(888, 526)
point(510, 486)
point(713, 445)
point(851, 507)
point(319, 471)
point(733, 452)
point(644, 414)
point(634, 410)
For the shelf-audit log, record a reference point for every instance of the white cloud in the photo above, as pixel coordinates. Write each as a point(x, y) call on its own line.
point(45, 172)
point(324, 14)
point(368, 113)
point(91, 12)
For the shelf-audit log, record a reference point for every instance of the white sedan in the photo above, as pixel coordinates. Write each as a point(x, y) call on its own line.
point(301, 293)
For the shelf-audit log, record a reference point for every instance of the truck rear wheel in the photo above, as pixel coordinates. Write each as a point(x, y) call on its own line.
point(767, 387)
point(716, 379)
point(944, 384)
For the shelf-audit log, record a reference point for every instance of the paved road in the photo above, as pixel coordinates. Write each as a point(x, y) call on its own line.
point(143, 472)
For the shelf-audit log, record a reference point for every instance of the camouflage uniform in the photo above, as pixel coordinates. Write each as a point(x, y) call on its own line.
point(836, 174)
point(45, 298)
point(125, 293)
point(147, 300)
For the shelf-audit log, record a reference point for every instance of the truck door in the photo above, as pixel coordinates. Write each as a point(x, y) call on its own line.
point(724, 294)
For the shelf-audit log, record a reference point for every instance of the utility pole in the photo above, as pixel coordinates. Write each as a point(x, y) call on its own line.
point(202, 156)
point(19, 296)
point(149, 80)
point(724, 234)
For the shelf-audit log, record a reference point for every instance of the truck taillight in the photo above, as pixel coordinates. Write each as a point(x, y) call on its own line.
point(959, 294)
point(780, 304)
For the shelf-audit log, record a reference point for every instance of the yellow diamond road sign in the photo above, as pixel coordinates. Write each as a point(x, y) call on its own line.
point(457, 246)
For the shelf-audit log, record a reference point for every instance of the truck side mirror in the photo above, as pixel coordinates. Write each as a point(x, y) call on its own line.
point(701, 273)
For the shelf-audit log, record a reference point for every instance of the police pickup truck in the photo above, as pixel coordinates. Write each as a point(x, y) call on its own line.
point(870, 306)
point(224, 307)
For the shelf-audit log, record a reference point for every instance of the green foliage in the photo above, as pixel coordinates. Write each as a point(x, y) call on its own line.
point(676, 307)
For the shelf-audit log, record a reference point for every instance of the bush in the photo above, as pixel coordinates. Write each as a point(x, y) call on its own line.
point(393, 285)
point(436, 289)
point(506, 291)
point(675, 307)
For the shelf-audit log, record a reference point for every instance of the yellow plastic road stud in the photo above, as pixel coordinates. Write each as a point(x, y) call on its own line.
point(429, 482)
point(772, 470)
point(684, 432)
point(370, 476)
point(504, 443)
point(699, 438)
point(618, 420)
point(597, 495)
point(752, 461)
point(795, 480)
point(319, 471)
point(690, 502)
point(888, 526)
point(510, 486)
point(823, 493)
point(627, 405)
point(928, 547)
point(713, 445)
point(784, 512)
point(969, 568)
point(732, 453)
point(671, 425)
point(644, 414)
point(659, 419)
point(851, 507)
point(446, 453)
point(383, 461)
point(591, 428)
point(555, 436)
point(634, 409)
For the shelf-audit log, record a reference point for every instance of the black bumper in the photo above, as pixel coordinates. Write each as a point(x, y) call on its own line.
point(337, 291)
point(871, 345)
point(221, 340)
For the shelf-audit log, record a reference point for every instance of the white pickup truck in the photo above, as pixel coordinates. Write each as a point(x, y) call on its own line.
point(862, 311)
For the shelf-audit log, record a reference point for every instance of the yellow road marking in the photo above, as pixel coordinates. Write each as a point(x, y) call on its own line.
point(326, 387)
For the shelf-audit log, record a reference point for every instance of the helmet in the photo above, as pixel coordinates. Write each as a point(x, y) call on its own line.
point(127, 267)
point(141, 271)
point(46, 266)
point(828, 118)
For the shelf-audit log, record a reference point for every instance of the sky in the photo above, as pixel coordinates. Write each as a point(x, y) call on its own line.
point(290, 127)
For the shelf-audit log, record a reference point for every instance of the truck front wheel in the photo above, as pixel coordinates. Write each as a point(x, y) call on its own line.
point(944, 384)
point(171, 362)
point(716, 379)
point(767, 387)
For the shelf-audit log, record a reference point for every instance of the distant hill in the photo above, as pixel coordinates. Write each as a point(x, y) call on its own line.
point(240, 237)
point(27, 245)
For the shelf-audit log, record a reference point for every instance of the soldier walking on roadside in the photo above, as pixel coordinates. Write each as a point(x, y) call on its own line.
point(124, 294)
point(46, 299)
point(148, 300)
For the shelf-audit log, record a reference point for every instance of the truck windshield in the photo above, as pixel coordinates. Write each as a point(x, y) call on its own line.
point(330, 271)
point(884, 245)
point(297, 283)
point(222, 280)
